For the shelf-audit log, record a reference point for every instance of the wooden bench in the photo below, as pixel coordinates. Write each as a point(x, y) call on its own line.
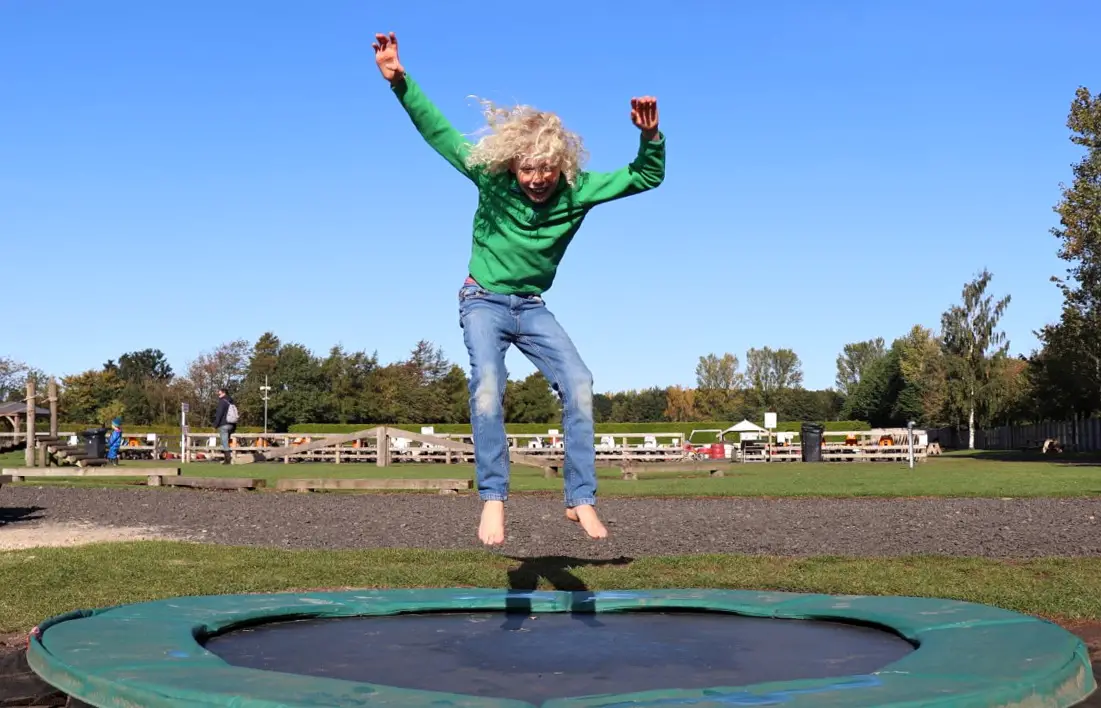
point(631, 471)
point(444, 486)
point(238, 483)
point(20, 473)
point(713, 469)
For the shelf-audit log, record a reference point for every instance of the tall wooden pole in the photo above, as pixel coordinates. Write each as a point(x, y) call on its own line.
point(30, 457)
point(382, 442)
point(53, 407)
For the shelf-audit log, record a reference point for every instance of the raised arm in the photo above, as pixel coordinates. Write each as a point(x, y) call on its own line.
point(646, 172)
point(436, 130)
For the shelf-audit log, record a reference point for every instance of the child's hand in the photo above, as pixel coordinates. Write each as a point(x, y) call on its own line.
point(386, 56)
point(644, 114)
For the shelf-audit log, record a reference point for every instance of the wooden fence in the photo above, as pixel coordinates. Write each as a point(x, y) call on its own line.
point(1072, 435)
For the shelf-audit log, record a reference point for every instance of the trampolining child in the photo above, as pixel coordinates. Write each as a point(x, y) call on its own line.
point(532, 197)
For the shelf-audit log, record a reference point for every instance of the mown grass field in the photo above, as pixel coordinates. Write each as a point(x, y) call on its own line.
point(952, 475)
point(46, 581)
point(41, 582)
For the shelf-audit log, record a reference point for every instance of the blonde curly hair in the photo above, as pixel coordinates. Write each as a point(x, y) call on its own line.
point(523, 132)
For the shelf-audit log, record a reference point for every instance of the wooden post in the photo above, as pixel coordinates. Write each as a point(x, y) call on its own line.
point(29, 458)
point(382, 441)
point(52, 390)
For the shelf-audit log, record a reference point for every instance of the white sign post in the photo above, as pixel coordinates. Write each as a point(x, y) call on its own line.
point(910, 440)
point(183, 432)
point(770, 423)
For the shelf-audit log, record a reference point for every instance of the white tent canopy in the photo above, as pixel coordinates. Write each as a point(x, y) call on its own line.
point(745, 427)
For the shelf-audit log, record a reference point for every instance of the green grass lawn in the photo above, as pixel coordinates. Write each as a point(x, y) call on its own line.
point(42, 582)
point(957, 474)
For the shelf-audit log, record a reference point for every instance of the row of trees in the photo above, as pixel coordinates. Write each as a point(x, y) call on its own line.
point(954, 377)
point(425, 387)
point(961, 376)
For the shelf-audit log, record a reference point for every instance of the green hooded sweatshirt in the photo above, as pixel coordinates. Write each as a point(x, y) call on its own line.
point(518, 244)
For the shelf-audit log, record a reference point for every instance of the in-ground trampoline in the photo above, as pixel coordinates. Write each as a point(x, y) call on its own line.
point(503, 648)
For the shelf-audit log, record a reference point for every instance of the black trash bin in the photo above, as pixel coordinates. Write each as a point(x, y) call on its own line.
point(95, 443)
point(810, 439)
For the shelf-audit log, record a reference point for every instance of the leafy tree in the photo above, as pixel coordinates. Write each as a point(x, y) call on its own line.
point(1068, 374)
point(971, 340)
point(1062, 380)
point(803, 405)
point(771, 374)
point(454, 391)
point(299, 396)
point(262, 361)
point(1008, 401)
point(875, 397)
point(346, 378)
point(680, 404)
point(225, 366)
point(531, 401)
point(923, 365)
point(429, 362)
point(13, 379)
point(603, 405)
point(646, 406)
point(854, 359)
point(392, 395)
point(719, 387)
point(1080, 208)
point(91, 396)
point(144, 365)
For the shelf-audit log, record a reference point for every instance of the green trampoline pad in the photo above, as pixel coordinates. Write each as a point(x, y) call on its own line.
point(163, 654)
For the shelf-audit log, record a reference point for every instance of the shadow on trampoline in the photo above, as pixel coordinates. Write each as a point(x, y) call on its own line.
point(556, 570)
point(16, 514)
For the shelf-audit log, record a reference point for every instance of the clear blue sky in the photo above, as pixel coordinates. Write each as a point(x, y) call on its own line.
point(187, 173)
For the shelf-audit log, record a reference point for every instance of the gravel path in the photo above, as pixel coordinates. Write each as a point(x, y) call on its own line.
point(639, 526)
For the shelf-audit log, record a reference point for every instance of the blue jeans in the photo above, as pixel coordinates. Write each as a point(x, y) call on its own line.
point(224, 432)
point(491, 323)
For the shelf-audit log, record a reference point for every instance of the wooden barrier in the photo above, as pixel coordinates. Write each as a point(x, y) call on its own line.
point(444, 486)
point(713, 469)
point(239, 483)
point(19, 473)
point(383, 453)
point(841, 453)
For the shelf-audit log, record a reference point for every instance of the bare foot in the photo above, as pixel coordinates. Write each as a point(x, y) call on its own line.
point(586, 516)
point(492, 529)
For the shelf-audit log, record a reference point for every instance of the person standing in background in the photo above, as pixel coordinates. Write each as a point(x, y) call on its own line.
point(225, 422)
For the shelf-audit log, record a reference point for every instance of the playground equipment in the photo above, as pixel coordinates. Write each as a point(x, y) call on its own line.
point(500, 648)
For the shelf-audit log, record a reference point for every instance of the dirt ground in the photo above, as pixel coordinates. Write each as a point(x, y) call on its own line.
point(57, 534)
point(639, 526)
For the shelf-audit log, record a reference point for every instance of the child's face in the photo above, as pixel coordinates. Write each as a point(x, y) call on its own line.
point(537, 178)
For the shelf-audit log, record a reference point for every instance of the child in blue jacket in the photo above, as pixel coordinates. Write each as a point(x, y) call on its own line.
point(114, 442)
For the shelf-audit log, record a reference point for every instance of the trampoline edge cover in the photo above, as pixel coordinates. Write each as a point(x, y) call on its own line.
point(967, 655)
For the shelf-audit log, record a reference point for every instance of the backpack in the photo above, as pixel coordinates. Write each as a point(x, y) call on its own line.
point(232, 415)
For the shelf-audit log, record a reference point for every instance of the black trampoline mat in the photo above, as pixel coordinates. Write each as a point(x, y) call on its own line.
point(557, 655)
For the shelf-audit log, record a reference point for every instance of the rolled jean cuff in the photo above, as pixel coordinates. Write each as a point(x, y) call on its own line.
point(493, 496)
point(584, 501)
